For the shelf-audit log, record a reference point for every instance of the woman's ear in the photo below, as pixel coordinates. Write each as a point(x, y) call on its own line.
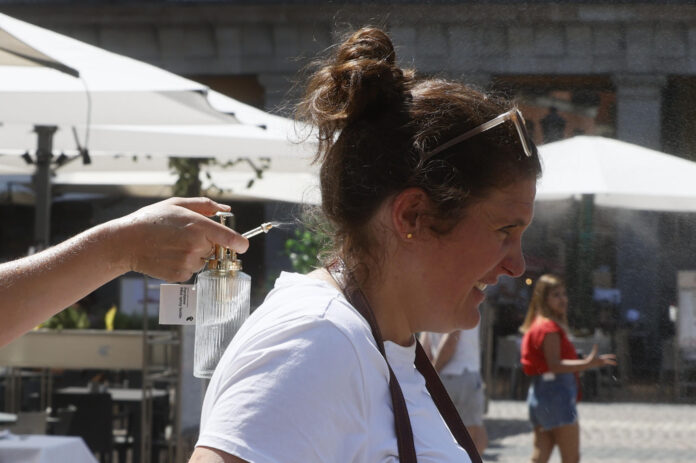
point(408, 213)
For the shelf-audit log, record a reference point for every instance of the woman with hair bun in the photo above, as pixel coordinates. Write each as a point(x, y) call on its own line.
point(428, 186)
point(550, 359)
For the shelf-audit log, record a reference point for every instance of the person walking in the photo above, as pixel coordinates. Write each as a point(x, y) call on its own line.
point(456, 357)
point(428, 186)
point(548, 356)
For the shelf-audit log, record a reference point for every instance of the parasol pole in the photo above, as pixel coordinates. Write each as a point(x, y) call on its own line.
point(42, 185)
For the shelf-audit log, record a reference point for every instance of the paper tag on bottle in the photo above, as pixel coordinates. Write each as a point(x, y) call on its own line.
point(177, 304)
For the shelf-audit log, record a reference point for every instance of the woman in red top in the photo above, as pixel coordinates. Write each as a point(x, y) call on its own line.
point(550, 359)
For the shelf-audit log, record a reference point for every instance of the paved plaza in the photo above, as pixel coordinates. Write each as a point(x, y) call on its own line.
point(609, 433)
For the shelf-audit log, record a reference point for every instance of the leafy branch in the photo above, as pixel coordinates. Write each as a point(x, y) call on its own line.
point(188, 171)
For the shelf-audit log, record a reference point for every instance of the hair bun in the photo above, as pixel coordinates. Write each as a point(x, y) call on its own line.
point(359, 82)
point(365, 73)
point(367, 43)
point(360, 78)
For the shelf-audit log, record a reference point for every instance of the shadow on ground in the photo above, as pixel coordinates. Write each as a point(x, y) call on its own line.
point(499, 428)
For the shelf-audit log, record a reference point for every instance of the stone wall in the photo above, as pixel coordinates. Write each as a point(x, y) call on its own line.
point(637, 45)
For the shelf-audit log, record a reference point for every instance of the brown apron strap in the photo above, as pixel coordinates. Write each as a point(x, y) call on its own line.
point(402, 421)
point(404, 433)
point(444, 404)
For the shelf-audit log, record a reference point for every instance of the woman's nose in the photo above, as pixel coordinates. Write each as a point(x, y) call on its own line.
point(514, 264)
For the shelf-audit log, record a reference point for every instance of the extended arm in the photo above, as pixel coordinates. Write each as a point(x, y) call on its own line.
point(167, 240)
point(552, 352)
point(211, 455)
point(445, 350)
point(427, 345)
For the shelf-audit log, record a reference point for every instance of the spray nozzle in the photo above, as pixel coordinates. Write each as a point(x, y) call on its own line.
point(263, 228)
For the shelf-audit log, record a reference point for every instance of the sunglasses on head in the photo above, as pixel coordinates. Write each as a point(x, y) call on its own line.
point(513, 115)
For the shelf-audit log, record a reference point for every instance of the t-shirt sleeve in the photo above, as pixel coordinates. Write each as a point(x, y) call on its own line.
point(295, 394)
point(548, 326)
point(541, 330)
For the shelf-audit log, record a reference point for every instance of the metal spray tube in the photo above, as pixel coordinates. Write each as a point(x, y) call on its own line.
point(222, 305)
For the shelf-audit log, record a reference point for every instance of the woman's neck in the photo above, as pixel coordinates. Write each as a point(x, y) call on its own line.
point(557, 320)
point(385, 304)
point(390, 310)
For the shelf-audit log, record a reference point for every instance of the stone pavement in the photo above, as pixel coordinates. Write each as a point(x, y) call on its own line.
point(609, 433)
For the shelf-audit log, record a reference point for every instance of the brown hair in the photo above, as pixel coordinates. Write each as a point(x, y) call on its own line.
point(538, 307)
point(377, 121)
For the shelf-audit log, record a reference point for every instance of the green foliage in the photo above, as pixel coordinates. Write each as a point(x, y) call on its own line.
point(72, 318)
point(304, 249)
point(188, 183)
point(76, 318)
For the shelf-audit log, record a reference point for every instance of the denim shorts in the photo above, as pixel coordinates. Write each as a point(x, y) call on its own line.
point(551, 402)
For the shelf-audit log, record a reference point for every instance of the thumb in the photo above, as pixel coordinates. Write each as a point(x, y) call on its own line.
point(593, 352)
point(220, 234)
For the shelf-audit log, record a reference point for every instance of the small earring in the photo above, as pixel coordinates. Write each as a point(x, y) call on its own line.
point(409, 236)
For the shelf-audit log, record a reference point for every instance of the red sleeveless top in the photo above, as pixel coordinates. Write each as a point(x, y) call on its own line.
point(532, 354)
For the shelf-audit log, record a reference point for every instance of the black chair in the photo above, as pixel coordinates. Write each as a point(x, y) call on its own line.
point(124, 433)
point(128, 438)
point(160, 422)
point(92, 420)
point(60, 420)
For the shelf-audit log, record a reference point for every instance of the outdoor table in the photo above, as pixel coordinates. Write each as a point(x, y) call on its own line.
point(130, 399)
point(7, 418)
point(117, 394)
point(31, 448)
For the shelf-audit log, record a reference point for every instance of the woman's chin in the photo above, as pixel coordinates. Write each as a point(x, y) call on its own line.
point(471, 319)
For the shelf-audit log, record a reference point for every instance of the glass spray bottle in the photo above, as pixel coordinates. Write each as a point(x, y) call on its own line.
point(222, 305)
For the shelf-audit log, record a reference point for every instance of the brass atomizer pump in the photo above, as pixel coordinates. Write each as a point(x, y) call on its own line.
point(223, 304)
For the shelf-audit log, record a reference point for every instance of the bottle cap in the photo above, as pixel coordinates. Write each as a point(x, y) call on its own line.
point(225, 260)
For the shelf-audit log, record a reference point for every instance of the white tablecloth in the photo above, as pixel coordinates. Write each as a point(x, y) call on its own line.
point(44, 449)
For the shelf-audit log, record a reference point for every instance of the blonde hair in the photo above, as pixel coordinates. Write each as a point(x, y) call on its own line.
point(538, 306)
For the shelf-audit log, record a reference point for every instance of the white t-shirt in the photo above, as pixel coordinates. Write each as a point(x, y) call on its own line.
point(303, 381)
point(467, 356)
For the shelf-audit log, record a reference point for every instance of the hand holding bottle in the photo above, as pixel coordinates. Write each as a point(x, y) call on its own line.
point(171, 239)
point(167, 240)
